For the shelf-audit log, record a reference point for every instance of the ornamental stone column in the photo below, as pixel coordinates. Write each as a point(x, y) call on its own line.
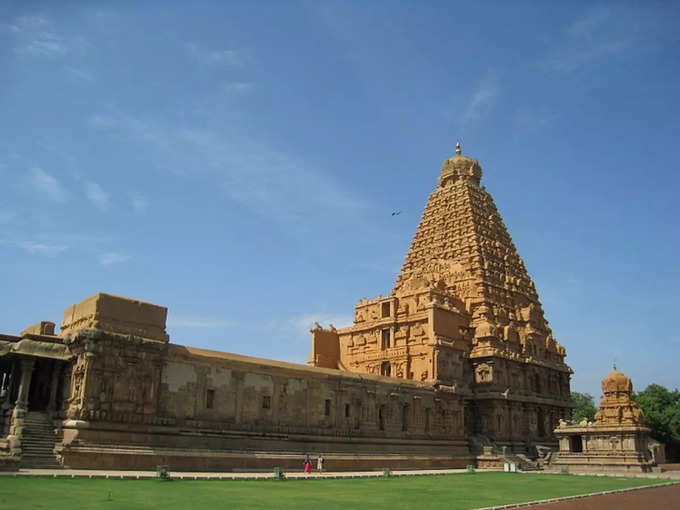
point(27, 366)
point(21, 406)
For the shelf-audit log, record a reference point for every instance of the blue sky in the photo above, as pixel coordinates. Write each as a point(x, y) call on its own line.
point(239, 162)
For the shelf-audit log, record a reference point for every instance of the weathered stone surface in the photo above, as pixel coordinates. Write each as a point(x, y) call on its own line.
point(116, 314)
point(41, 328)
point(618, 440)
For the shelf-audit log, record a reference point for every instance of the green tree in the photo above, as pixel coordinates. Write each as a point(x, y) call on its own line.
point(584, 406)
point(662, 415)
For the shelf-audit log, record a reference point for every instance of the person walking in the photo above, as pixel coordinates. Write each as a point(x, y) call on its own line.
point(319, 463)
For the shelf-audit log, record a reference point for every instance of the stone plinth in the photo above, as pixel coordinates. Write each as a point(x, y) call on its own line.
point(116, 314)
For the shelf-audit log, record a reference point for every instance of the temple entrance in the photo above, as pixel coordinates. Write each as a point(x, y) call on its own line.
point(540, 419)
point(39, 393)
point(575, 444)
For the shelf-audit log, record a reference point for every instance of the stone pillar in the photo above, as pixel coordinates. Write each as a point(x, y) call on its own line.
point(27, 365)
point(20, 408)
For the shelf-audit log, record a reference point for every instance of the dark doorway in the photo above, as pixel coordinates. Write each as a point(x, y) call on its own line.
point(540, 418)
point(39, 392)
point(575, 444)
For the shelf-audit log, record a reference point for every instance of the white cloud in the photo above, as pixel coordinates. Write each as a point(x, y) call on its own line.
point(48, 184)
point(79, 75)
point(483, 98)
point(48, 250)
point(138, 202)
point(44, 45)
point(25, 24)
point(97, 195)
point(215, 57)
point(103, 121)
point(602, 33)
point(6, 217)
point(110, 258)
point(237, 88)
point(531, 118)
point(35, 37)
point(253, 173)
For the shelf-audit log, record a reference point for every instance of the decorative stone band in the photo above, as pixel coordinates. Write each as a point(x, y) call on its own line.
point(36, 348)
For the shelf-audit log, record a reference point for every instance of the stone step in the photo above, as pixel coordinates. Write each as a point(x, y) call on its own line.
point(38, 427)
point(39, 460)
point(41, 465)
point(32, 445)
point(51, 436)
point(38, 442)
point(37, 451)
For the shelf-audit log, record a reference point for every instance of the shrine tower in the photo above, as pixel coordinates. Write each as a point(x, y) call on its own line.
point(464, 316)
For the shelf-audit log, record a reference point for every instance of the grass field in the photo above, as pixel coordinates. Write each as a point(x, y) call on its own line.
point(469, 490)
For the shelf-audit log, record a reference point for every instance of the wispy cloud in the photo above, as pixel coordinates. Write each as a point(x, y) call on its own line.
point(266, 180)
point(138, 201)
point(96, 195)
point(532, 118)
point(215, 57)
point(79, 75)
point(35, 37)
point(605, 32)
point(6, 217)
point(237, 88)
point(483, 98)
point(48, 184)
point(48, 250)
point(112, 257)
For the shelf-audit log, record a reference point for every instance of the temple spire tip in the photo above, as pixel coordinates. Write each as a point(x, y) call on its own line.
point(458, 149)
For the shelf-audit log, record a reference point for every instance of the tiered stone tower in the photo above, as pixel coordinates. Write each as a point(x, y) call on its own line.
point(464, 315)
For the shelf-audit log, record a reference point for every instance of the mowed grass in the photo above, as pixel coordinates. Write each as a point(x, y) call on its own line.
point(469, 490)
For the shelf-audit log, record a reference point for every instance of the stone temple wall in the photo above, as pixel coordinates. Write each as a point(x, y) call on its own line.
point(136, 404)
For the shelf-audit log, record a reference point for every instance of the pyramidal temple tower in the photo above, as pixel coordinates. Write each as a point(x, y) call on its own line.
point(464, 317)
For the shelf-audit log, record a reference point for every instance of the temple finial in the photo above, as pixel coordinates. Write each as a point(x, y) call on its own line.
point(458, 151)
point(615, 365)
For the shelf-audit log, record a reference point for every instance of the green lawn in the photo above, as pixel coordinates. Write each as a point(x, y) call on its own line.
point(469, 490)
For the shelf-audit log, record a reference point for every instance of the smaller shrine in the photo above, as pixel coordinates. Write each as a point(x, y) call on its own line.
point(618, 439)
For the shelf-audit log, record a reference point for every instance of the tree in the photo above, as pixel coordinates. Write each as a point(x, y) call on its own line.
point(584, 407)
point(662, 415)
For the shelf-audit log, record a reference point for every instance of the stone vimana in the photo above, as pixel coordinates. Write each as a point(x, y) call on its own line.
point(455, 365)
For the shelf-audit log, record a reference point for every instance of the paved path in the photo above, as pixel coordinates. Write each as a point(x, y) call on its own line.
point(665, 498)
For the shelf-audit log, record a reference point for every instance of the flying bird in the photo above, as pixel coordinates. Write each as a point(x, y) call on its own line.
point(505, 393)
point(396, 213)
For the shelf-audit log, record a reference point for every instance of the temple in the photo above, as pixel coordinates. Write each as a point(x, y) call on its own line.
point(463, 316)
point(454, 366)
point(618, 439)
